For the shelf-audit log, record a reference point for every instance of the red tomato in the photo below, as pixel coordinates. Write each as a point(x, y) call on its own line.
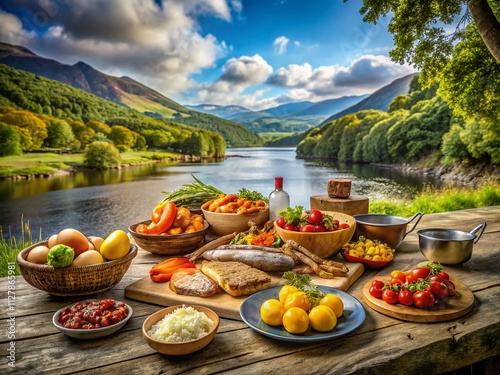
point(335, 223)
point(290, 227)
point(418, 273)
point(395, 281)
point(390, 296)
point(378, 283)
point(397, 274)
point(319, 228)
point(344, 226)
point(423, 299)
point(444, 275)
point(315, 217)
point(307, 228)
point(451, 287)
point(439, 289)
point(375, 292)
point(405, 297)
point(281, 222)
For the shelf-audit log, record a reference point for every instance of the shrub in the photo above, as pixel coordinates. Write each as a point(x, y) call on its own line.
point(101, 155)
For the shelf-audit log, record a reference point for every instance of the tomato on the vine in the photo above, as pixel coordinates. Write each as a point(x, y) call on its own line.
point(315, 217)
point(418, 273)
point(397, 274)
point(378, 283)
point(375, 292)
point(439, 289)
point(390, 296)
point(405, 297)
point(394, 281)
point(423, 299)
point(290, 227)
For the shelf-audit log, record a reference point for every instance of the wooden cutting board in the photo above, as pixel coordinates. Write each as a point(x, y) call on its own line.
point(448, 309)
point(222, 303)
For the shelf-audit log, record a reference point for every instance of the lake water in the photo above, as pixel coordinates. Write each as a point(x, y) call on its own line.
point(98, 202)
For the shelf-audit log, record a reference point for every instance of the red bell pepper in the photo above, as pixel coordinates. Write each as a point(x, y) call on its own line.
point(162, 272)
point(168, 212)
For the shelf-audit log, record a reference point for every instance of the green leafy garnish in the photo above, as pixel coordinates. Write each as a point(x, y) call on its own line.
point(251, 195)
point(305, 284)
point(192, 194)
point(292, 215)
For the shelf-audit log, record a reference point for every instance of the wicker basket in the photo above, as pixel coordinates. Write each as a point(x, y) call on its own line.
point(74, 281)
point(174, 244)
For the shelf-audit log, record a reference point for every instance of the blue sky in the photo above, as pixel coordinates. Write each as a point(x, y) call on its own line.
point(254, 53)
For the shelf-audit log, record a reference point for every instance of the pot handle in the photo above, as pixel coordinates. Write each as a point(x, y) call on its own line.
point(417, 216)
point(481, 228)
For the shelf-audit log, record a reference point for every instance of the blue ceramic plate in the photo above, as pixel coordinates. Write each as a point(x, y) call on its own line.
point(354, 315)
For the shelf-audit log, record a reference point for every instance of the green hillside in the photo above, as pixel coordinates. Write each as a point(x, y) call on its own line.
point(23, 90)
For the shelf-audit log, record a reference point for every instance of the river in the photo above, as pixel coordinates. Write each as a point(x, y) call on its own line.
point(98, 202)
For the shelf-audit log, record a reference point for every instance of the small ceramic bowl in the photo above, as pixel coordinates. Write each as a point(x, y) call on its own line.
point(179, 348)
point(222, 224)
point(89, 334)
point(171, 244)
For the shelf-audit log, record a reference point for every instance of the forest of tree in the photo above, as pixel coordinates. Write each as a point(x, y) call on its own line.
point(46, 113)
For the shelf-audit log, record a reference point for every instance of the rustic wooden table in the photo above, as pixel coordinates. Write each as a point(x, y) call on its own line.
point(381, 345)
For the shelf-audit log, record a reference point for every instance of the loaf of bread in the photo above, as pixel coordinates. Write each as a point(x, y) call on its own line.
point(192, 282)
point(236, 278)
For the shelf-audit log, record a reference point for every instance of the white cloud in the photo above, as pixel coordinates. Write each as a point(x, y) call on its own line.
point(159, 46)
point(280, 44)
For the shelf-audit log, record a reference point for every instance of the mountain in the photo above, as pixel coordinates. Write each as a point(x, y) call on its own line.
point(125, 92)
point(380, 99)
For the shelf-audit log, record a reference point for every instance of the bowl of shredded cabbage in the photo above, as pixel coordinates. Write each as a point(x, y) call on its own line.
point(180, 330)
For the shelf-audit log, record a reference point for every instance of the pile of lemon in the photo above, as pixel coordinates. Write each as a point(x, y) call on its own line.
point(294, 311)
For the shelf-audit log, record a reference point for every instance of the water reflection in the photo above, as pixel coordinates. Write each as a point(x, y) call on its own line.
point(98, 202)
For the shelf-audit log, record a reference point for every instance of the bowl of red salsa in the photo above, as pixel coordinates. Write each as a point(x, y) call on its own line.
point(91, 319)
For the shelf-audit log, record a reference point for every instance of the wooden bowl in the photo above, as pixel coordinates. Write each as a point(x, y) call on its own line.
point(323, 244)
point(179, 348)
point(166, 244)
point(74, 281)
point(223, 224)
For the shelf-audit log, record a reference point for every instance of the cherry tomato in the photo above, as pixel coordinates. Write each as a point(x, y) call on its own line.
point(395, 281)
point(418, 273)
point(439, 289)
point(375, 292)
point(319, 228)
point(397, 274)
point(423, 299)
point(290, 227)
point(378, 283)
point(307, 228)
point(444, 275)
point(281, 222)
point(405, 297)
point(390, 296)
point(344, 226)
point(451, 287)
point(315, 217)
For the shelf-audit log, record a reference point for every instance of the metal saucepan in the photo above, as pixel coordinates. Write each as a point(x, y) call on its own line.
point(448, 246)
point(385, 228)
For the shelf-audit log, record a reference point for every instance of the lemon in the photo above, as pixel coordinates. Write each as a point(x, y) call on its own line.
point(334, 302)
point(115, 246)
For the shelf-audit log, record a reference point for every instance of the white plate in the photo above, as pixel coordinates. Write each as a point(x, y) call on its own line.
point(94, 333)
point(354, 315)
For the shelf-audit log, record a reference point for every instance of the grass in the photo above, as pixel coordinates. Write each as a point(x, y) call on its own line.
point(429, 201)
point(9, 248)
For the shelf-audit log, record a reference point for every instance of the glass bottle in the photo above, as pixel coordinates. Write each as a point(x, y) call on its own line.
point(278, 199)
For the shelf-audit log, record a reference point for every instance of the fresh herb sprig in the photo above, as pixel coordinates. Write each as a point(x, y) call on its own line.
point(192, 194)
point(251, 195)
point(305, 284)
